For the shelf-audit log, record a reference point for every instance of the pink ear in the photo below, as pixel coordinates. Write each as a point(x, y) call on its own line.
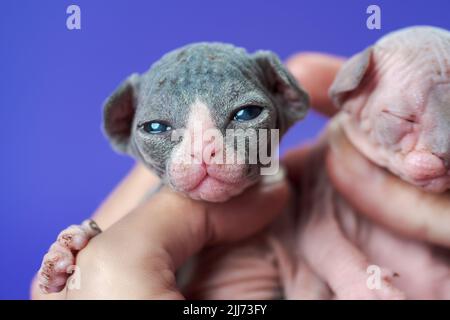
point(118, 113)
point(350, 76)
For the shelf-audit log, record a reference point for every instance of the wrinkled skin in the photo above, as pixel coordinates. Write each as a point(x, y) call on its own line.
point(396, 106)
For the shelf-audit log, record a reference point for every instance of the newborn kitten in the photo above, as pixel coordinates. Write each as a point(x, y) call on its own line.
point(202, 118)
point(395, 101)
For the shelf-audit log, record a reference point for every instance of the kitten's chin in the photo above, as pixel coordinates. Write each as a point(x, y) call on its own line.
point(213, 190)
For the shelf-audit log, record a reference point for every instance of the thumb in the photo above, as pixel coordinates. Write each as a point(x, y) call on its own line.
point(316, 72)
point(150, 244)
point(182, 226)
point(249, 212)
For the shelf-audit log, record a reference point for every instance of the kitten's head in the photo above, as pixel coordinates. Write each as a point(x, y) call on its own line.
point(396, 95)
point(202, 116)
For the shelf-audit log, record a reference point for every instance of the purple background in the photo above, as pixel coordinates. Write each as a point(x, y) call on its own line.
point(55, 166)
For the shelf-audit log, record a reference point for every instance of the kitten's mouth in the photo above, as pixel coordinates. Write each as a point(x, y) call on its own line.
point(213, 189)
point(422, 165)
point(208, 179)
point(213, 183)
point(426, 170)
point(435, 185)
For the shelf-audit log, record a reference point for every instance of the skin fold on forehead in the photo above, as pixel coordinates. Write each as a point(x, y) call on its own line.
point(220, 76)
point(395, 94)
point(215, 74)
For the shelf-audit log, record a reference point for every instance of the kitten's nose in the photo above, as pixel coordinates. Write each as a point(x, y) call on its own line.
point(207, 154)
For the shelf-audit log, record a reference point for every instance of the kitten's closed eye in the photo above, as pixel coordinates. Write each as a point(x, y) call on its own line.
point(247, 113)
point(391, 127)
point(154, 127)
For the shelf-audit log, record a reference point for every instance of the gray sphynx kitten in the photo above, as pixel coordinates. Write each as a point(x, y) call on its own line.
point(395, 102)
point(192, 93)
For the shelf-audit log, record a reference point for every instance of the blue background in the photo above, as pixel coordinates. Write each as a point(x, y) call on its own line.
point(55, 165)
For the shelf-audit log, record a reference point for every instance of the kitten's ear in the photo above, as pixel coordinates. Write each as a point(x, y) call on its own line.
point(290, 96)
point(350, 76)
point(118, 113)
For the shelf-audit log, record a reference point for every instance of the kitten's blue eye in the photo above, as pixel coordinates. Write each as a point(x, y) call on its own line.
point(156, 127)
point(247, 113)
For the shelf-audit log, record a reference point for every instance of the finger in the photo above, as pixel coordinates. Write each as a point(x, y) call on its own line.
point(249, 212)
point(162, 233)
point(316, 72)
point(197, 223)
point(384, 197)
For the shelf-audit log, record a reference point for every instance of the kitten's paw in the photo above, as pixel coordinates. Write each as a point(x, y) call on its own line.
point(53, 274)
point(57, 263)
point(74, 237)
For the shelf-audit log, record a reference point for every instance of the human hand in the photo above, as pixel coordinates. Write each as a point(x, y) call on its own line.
point(167, 230)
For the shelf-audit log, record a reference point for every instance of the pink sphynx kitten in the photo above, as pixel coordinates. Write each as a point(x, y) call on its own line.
point(395, 102)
